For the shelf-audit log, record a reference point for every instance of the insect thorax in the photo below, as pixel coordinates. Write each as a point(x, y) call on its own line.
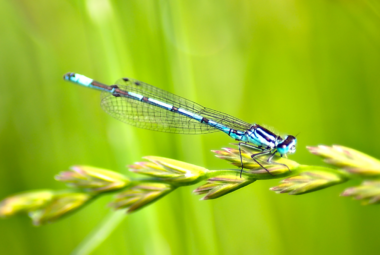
point(263, 137)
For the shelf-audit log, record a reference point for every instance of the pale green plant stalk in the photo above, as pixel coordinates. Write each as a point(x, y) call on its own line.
point(163, 175)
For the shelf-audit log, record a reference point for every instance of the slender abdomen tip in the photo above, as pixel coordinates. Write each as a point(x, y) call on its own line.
point(68, 75)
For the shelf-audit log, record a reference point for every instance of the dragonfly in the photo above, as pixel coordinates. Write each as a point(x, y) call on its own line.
point(145, 106)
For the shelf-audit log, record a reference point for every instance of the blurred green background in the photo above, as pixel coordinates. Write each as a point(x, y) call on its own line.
point(299, 66)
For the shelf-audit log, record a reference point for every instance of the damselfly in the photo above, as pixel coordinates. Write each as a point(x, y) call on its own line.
point(145, 106)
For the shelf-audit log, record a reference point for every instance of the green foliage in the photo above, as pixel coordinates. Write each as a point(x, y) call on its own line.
point(309, 67)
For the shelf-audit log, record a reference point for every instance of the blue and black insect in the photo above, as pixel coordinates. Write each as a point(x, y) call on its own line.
point(145, 106)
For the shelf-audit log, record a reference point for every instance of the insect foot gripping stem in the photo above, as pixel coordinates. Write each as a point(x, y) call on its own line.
point(278, 167)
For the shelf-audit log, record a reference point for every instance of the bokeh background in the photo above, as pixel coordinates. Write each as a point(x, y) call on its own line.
point(298, 66)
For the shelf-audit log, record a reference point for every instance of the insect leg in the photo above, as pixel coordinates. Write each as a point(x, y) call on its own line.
point(253, 156)
point(241, 160)
point(275, 163)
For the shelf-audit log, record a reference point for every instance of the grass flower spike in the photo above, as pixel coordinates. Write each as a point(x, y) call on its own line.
point(61, 204)
point(93, 179)
point(169, 170)
point(350, 160)
point(165, 175)
point(221, 185)
point(138, 196)
point(43, 206)
point(25, 202)
point(368, 192)
point(308, 181)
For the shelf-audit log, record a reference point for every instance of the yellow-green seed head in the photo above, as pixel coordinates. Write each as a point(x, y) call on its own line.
point(170, 170)
point(368, 192)
point(61, 204)
point(25, 202)
point(93, 179)
point(308, 181)
point(350, 160)
point(139, 196)
point(221, 185)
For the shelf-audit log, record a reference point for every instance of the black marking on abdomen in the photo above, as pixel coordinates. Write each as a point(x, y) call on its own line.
point(99, 85)
point(137, 83)
point(69, 75)
point(174, 109)
point(125, 79)
point(204, 120)
point(115, 93)
point(122, 92)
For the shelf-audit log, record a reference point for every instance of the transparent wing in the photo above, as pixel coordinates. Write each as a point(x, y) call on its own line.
point(151, 117)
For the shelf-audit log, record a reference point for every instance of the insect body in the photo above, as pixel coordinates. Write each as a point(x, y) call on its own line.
point(145, 106)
